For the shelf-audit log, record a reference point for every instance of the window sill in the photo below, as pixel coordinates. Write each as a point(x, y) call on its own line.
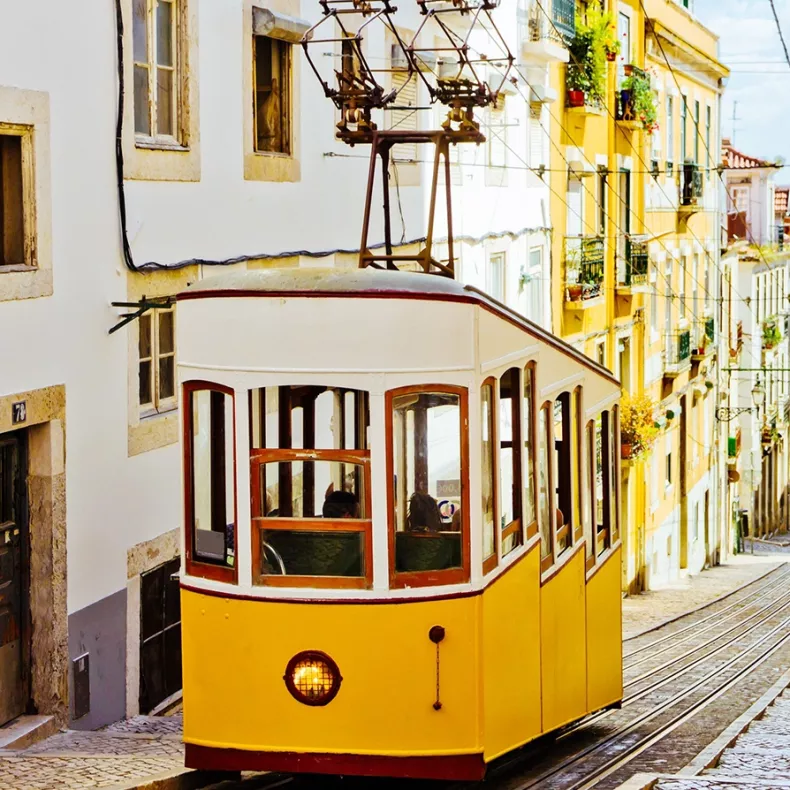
point(153, 145)
point(153, 431)
point(18, 267)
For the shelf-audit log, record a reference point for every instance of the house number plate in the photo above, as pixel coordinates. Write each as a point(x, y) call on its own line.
point(18, 412)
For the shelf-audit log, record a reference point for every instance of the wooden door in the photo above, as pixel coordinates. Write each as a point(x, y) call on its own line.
point(14, 676)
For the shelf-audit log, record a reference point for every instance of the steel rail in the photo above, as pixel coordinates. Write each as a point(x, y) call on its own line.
point(626, 753)
point(768, 583)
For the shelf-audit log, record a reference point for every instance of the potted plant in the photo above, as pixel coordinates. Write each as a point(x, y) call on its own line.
point(573, 286)
point(638, 101)
point(638, 428)
point(586, 73)
point(771, 334)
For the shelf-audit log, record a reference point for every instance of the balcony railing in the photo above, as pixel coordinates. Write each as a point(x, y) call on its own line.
point(534, 26)
point(692, 181)
point(704, 332)
point(584, 267)
point(677, 351)
point(624, 108)
point(633, 263)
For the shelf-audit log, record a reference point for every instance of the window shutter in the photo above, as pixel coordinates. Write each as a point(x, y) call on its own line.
point(497, 137)
point(536, 135)
point(404, 120)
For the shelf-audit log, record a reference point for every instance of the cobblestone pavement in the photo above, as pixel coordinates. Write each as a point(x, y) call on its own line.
point(758, 759)
point(650, 609)
point(141, 748)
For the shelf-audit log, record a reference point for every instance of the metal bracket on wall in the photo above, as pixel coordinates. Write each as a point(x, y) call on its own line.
point(143, 306)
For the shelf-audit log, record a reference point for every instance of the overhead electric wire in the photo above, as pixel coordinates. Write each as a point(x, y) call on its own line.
point(779, 30)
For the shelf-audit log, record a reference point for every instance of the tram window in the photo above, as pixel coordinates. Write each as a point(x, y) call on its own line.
point(601, 482)
point(544, 499)
point(529, 448)
point(614, 471)
point(590, 499)
point(576, 472)
point(309, 489)
point(309, 417)
point(562, 471)
point(488, 480)
point(509, 461)
point(428, 486)
point(211, 483)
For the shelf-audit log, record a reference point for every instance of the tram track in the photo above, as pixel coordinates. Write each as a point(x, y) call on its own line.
point(621, 740)
point(779, 575)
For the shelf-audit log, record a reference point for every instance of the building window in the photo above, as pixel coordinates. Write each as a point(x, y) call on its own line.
point(668, 469)
point(497, 137)
point(670, 135)
point(707, 140)
point(533, 284)
point(497, 269)
point(683, 130)
point(696, 132)
point(272, 100)
point(602, 184)
point(682, 286)
point(600, 353)
point(156, 45)
point(12, 203)
point(157, 364)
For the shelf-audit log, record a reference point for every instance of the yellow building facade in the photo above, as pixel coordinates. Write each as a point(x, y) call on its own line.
point(635, 202)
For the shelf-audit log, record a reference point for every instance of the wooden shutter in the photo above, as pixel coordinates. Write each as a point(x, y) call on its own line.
point(404, 119)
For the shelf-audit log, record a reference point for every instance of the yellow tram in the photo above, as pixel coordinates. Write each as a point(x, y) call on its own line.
point(401, 533)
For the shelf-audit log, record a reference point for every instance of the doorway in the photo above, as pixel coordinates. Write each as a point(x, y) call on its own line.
point(160, 635)
point(14, 571)
point(683, 494)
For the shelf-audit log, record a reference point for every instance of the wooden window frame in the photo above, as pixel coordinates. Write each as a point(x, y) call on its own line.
point(566, 530)
point(603, 537)
point(489, 563)
point(577, 491)
point(287, 106)
point(258, 457)
point(195, 566)
point(547, 561)
point(28, 195)
point(157, 405)
point(614, 484)
point(516, 448)
point(154, 139)
point(399, 580)
point(591, 539)
point(531, 527)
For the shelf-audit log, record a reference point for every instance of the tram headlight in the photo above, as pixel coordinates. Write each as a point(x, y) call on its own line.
point(312, 678)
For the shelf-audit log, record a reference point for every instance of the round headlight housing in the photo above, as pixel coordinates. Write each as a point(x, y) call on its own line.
point(312, 678)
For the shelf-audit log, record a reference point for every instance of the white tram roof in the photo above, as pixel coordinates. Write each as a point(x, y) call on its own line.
point(224, 306)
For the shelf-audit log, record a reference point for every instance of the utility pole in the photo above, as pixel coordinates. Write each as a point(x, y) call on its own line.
point(734, 119)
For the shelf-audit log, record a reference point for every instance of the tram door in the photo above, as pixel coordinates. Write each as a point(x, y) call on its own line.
point(13, 579)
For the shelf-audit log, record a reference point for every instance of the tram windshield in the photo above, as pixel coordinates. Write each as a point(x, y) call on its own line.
point(426, 447)
point(310, 482)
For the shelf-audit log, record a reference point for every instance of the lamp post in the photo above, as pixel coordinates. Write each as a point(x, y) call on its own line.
point(724, 414)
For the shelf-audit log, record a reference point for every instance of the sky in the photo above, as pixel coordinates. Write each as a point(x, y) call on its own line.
point(760, 83)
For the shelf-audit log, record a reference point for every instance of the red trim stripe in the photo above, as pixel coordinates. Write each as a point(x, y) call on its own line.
point(456, 767)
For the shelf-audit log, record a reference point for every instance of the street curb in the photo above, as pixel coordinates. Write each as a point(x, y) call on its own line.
point(705, 605)
point(711, 754)
point(179, 779)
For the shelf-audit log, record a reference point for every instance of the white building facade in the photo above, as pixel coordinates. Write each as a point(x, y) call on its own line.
point(218, 152)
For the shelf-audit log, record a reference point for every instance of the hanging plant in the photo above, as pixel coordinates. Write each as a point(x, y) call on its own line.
point(638, 429)
point(771, 335)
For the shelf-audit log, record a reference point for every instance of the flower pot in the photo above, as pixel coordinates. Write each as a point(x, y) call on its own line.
point(611, 56)
point(626, 451)
point(575, 292)
point(575, 98)
point(628, 69)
